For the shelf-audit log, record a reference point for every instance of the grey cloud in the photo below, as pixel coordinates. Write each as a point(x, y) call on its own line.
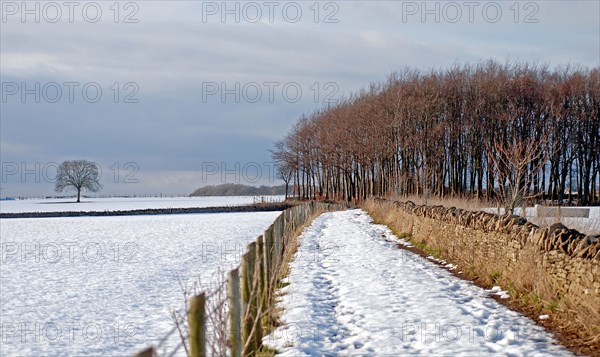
point(171, 52)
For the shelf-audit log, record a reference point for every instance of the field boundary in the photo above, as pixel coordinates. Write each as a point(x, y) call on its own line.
point(256, 207)
point(552, 270)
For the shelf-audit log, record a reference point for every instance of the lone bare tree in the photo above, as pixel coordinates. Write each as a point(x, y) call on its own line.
point(286, 173)
point(78, 175)
point(285, 168)
point(515, 164)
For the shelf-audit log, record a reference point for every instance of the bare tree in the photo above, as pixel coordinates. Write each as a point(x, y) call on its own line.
point(285, 168)
point(78, 175)
point(515, 164)
point(285, 172)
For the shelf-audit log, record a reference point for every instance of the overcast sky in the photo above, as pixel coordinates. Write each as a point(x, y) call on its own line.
point(163, 95)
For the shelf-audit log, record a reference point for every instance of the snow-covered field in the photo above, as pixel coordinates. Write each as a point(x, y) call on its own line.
point(103, 286)
point(114, 204)
point(352, 292)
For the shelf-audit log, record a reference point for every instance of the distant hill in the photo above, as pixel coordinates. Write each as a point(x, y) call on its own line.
point(232, 189)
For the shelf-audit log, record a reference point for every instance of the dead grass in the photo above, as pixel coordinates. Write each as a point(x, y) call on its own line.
point(382, 214)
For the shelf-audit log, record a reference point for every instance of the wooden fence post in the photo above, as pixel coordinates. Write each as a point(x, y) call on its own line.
point(246, 268)
point(250, 297)
point(197, 323)
point(268, 252)
point(277, 232)
point(235, 312)
point(270, 272)
point(148, 352)
point(259, 277)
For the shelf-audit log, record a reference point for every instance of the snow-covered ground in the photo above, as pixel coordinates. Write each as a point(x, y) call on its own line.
point(589, 225)
point(353, 292)
point(103, 286)
point(113, 204)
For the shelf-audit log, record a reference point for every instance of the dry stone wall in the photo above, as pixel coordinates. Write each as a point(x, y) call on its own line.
point(569, 259)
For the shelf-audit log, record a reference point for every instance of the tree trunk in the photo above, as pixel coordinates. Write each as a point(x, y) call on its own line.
point(78, 195)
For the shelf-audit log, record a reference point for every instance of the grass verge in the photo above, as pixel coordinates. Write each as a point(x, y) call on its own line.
point(275, 321)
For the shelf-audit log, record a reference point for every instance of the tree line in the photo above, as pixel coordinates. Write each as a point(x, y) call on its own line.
point(487, 130)
point(232, 189)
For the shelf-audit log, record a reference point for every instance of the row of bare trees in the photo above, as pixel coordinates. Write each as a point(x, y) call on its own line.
point(485, 130)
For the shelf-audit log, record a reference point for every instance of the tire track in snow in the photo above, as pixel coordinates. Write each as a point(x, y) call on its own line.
point(352, 292)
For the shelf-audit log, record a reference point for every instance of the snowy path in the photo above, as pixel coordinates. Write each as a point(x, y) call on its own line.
point(353, 292)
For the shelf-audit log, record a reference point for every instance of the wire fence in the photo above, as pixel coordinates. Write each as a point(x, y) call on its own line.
point(231, 317)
